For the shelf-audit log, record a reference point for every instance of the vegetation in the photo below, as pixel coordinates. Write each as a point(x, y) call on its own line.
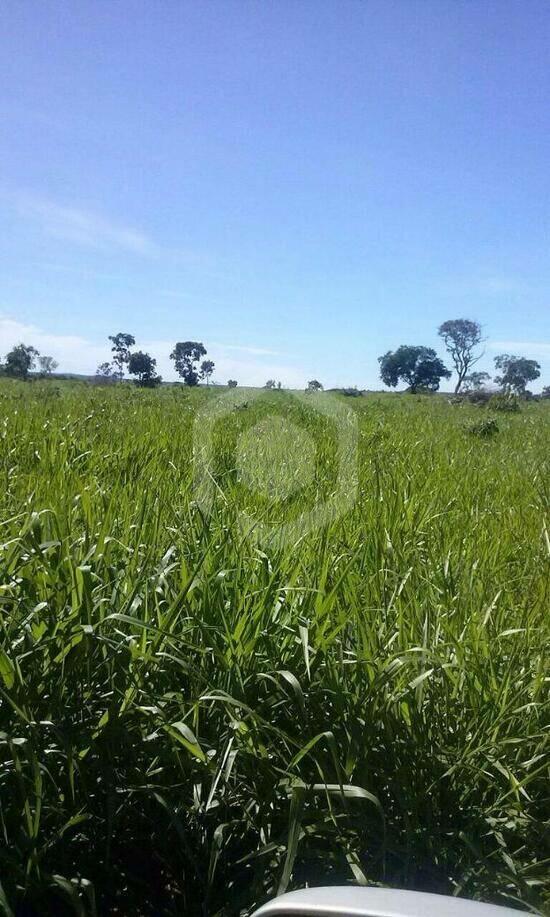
point(507, 403)
point(475, 382)
point(143, 366)
point(461, 336)
point(47, 365)
point(186, 356)
point(485, 428)
point(190, 723)
point(20, 361)
point(207, 368)
point(121, 352)
point(516, 372)
point(417, 367)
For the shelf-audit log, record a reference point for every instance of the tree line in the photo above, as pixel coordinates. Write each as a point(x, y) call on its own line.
point(417, 367)
point(186, 356)
point(421, 369)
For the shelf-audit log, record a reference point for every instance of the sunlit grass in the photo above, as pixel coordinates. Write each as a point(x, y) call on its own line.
point(192, 721)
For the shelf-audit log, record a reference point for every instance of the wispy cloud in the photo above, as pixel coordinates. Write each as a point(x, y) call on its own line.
point(522, 348)
point(80, 226)
point(489, 284)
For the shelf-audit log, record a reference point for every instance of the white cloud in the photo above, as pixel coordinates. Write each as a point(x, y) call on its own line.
point(75, 225)
point(522, 348)
point(73, 353)
point(76, 354)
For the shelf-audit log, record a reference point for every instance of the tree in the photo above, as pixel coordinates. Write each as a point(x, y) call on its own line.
point(232, 383)
point(476, 381)
point(143, 366)
point(270, 384)
point(516, 372)
point(546, 391)
point(186, 355)
point(419, 367)
point(20, 361)
point(207, 368)
point(314, 386)
point(47, 365)
point(461, 336)
point(105, 370)
point(121, 351)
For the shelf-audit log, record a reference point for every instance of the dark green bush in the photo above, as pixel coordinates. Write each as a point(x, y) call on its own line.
point(484, 428)
point(505, 403)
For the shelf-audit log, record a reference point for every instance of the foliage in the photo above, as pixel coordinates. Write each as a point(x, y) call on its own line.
point(416, 366)
point(484, 428)
point(121, 351)
point(105, 371)
point(314, 386)
point(20, 360)
point(189, 723)
point(474, 382)
point(546, 392)
point(207, 368)
point(186, 355)
point(461, 336)
point(480, 396)
point(47, 365)
point(516, 372)
point(143, 366)
point(505, 403)
point(232, 383)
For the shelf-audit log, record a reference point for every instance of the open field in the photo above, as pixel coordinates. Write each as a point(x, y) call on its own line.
point(192, 720)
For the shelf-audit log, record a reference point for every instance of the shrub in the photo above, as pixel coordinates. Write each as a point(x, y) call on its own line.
point(505, 403)
point(480, 397)
point(484, 428)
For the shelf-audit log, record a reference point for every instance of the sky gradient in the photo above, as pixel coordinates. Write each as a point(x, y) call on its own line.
point(300, 185)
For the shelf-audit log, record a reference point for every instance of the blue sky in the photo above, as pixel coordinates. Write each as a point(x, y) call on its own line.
point(300, 184)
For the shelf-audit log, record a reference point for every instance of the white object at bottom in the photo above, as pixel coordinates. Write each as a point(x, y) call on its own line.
point(350, 901)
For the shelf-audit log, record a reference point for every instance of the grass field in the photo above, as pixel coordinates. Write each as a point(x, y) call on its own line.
point(193, 720)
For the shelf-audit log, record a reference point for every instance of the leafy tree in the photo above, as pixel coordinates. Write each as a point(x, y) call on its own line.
point(270, 384)
point(546, 391)
point(314, 386)
point(143, 366)
point(516, 372)
point(207, 368)
point(20, 361)
point(121, 351)
point(461, 336)
point(476, 381)
point(105, 370)
point(419, 367)
point(47, 365)
point(232, 383)
point(186, 355)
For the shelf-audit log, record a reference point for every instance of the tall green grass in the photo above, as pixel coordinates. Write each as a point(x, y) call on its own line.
point(191, 722)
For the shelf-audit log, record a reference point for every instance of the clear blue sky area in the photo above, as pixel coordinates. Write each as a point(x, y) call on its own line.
point(300, 184)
